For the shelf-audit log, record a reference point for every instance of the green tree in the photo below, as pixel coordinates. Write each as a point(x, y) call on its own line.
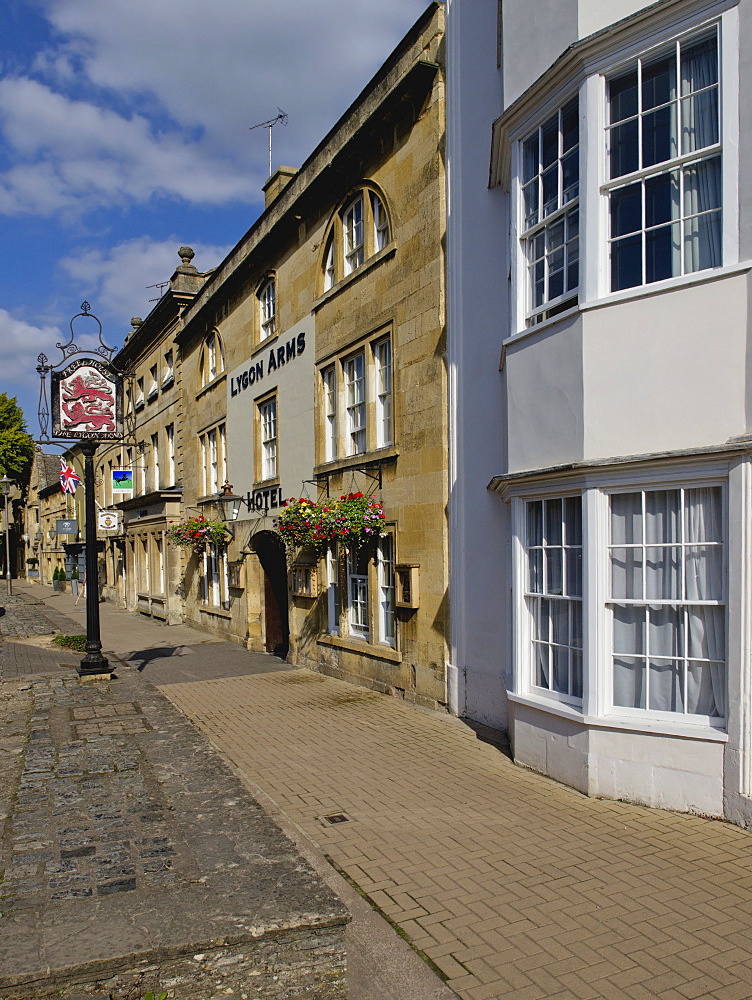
point(16, 445)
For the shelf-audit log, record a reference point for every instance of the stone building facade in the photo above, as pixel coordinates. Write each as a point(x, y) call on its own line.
point(313, 363)
point(310, 362)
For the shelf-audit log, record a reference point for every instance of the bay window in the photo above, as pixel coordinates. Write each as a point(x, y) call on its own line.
point(655, 601)
point(664, 164)
point(551, 220)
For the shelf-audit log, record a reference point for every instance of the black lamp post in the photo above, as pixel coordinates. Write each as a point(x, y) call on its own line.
point(5, 484)
point(87, 407)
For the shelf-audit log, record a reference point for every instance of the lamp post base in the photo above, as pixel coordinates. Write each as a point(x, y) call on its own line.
point(93, 663)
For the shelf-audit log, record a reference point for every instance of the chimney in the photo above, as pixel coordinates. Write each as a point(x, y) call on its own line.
point(277, 182)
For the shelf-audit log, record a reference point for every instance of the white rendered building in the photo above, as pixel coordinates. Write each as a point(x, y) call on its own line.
point(601, 386)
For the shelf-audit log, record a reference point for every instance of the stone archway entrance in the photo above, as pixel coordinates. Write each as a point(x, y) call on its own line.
point(270, 550)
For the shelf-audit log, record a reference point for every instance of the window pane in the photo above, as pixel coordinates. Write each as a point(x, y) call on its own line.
point(530, 197)
point(622, 96)
point(553, 522)
point(662, 516)
point(706, 693)
point(659, 140)
point(570, 176)
point(560, 622)
point(626, 518)
point(575, 659)
point(629, 629)
point(544, 627)
point(553, 571)
point(542, 668)
point(700, 120)
point(658, 82)
point(622, 149)
point(702, 186)
point(704, 569)
point(573, 520)
point(626, 263)
point(530, 157)
point(702, 242)
point(575, 627)
point(703, 517)
point(661, 199)
point(535, 565)
point(629, 682)
point(662, 253)
point(666, 686)
point(664, 631)
point(570, 125)
point(561, 670)
point(663, 573)
point(706, 640)
point(626, 210)
point(574, 572)
point(699, 65)
point(550, 141)
point(550, 190)
point(626, 574)
point(535, 523)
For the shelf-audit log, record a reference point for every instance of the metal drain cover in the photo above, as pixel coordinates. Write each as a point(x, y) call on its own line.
point(333, 818)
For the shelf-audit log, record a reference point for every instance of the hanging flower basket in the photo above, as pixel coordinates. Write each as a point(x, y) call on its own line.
point(196, 533)
point(353, 521)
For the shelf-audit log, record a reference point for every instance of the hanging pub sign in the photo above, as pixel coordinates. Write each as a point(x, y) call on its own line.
point(87, 401)
point(108, 520)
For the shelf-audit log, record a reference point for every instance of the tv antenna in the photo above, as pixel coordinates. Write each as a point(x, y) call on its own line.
point(281, 119)
point(160, 285)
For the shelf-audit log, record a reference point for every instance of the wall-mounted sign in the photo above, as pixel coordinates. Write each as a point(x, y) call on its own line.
point(122, 480)
point(107, 520)
point(278, 357)
point(266, 499)
point(66, 527)
point(87, 401)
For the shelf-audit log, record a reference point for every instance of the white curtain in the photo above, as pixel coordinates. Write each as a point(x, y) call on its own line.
point(702, 182)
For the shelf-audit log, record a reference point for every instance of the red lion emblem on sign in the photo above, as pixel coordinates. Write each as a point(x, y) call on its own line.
point(87, 399)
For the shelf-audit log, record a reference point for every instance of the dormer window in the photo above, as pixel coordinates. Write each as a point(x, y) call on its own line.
point(268, 308)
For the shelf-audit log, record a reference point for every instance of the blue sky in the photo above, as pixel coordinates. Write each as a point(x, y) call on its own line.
point(124, 128)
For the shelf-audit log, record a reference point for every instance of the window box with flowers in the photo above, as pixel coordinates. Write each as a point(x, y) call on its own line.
point(354, 520)
point(197, 533)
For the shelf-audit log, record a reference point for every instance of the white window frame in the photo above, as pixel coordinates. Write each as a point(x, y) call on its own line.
point(154, 387)
point(386, 591)
point(155, 461)
point(380, 223)
point(354, 370)
point(267, 297)
point(597, 700)
point(329, 268)
point(169, 372)
point(333, 606)
point(358, 608)
point(679, 164)
point(353, 234)
point(329, 398)
point(595, 276)
point(267, 415)
point(139, 391)
point(545, 224)
point(383, 372)
point(170, 435)
point(223, 454)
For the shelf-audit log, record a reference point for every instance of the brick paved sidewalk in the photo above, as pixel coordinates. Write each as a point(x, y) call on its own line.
point(517, 887)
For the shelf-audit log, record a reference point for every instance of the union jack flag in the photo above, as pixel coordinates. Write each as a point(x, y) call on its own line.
point(69, 479)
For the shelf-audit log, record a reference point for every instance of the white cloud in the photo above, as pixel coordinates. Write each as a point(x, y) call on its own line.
point(78, 154)
point(20, 344)
point(146, 99)
point(115, 280)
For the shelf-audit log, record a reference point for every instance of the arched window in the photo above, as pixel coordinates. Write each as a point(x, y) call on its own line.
point(213, 358)
point(267, 296)
point(358, 230)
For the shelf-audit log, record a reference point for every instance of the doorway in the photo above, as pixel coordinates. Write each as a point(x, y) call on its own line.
point(270, 550)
